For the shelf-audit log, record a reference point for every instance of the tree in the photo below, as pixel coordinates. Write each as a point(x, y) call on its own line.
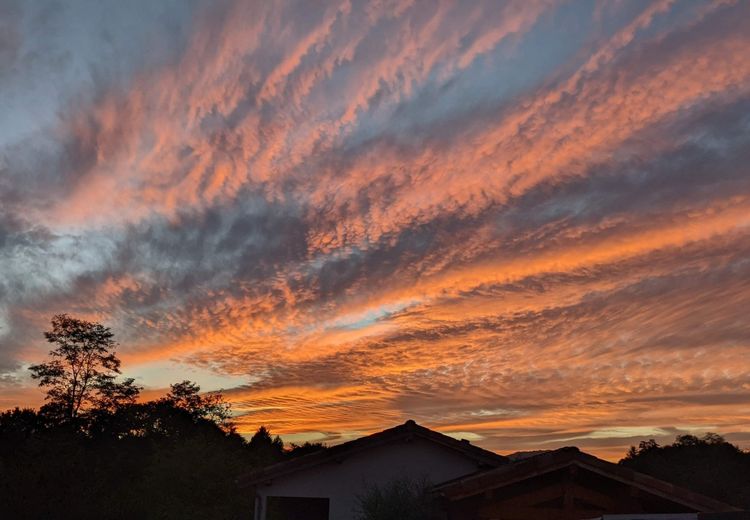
point(18, 424)
point(642, 448)
point(113, 396)
point(299, 450)
point(83, 370)
point(172, 457)
point(210, 406)
point(709, 465)
point(265, 448)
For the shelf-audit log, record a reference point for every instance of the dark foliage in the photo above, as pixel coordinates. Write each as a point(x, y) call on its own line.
point(708, 465)
point(298, 450)
point(265, 448)
point(82, 372)
point(150, 460)
point(402, 499)
point(186, 396)
point(93, 452)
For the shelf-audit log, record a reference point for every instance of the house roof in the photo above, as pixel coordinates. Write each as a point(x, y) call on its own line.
point(408, 430)
point(570, 456)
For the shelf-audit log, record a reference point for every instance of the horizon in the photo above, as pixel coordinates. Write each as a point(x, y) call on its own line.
point(526, 224)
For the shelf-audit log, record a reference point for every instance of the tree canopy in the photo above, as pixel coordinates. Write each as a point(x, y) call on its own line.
point(177, 456)
point(709, 465)
point(82, 373)
point(211, 406)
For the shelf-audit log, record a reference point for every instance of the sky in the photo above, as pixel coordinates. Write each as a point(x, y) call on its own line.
point(522, 223)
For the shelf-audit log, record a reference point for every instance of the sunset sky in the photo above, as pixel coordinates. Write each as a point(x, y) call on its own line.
point(522, 223)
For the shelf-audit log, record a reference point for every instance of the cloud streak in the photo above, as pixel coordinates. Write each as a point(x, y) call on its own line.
point(372, 211)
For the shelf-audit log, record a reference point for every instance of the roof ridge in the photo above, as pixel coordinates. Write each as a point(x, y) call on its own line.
point(480, 455)
point(561, 457)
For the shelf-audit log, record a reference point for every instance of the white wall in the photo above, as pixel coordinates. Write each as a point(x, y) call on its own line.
point(343, 482)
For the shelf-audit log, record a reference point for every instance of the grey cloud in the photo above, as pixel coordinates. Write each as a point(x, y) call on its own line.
point(61, 57)
point(489, 372)
point(10, 34)
point(259, 242)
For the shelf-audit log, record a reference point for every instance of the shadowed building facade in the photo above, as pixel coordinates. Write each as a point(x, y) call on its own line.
point(326, 485)
point(567, 484)
point(469, 483)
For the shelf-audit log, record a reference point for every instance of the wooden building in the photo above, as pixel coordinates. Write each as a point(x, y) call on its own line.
point(566, 484)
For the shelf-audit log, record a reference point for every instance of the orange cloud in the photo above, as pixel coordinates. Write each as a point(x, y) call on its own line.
point(403, 209)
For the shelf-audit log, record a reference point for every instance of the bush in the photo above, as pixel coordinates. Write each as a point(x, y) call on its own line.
point(401, 499)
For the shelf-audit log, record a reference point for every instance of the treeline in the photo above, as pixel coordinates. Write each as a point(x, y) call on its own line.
point(709, 465)
point(95, 451)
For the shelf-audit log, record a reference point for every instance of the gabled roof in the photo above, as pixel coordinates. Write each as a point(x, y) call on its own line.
point(554, 460)
point(408, 430)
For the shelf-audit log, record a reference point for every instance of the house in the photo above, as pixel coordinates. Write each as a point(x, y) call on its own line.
point(567, 484)
point(325, 485)
point(468, 483)
point(736, 515)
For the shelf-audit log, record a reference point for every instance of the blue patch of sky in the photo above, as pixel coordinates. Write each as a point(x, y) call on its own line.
point(70, 50)
point(368, 318)
point(515, 66)
point(161, 374)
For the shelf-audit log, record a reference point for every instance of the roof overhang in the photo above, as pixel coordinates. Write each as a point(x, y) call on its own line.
point(571, 457)
point(403, 433)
